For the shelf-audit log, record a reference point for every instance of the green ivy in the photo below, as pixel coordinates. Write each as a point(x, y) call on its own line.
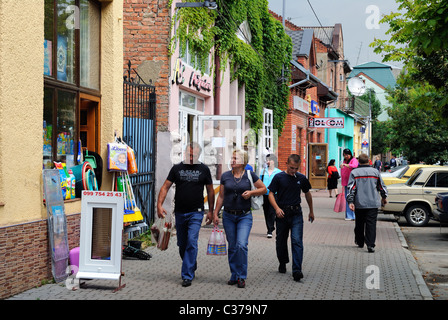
point(258, 65)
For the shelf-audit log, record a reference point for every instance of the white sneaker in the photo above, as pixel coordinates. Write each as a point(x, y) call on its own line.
point(269, 235)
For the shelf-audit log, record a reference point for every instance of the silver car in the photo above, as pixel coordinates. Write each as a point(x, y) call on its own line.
point(415, 199)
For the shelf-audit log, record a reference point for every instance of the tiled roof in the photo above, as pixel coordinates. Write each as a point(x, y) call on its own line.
point(381, 73)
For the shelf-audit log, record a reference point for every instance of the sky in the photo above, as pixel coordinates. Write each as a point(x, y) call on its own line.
point(359, 19)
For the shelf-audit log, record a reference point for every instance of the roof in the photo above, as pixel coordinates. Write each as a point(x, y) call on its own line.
point(301, 41)
point(324, 34)
point(379, 72)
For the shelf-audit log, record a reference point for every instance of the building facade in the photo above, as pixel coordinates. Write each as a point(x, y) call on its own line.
point(70, 66)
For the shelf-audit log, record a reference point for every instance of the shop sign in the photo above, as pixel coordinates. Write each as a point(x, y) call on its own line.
point(199, 83)
point(178, 75)
point(326, 123)
point(314, 108)
point(301, 104)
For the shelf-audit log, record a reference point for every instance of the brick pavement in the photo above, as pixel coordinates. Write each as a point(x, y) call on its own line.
point(334, 269)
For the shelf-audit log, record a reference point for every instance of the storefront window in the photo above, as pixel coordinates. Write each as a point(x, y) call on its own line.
point(72, 31)
point(66, 42)
point(90, 44)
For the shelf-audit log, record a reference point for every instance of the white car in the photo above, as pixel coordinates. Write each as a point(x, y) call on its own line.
point(415, 199)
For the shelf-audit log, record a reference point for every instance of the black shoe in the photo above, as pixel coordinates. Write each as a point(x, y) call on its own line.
point(282, 268)
point(232, 282)
point(297, 275)
point(186, 283)
point(370, 249)
point(241, 283)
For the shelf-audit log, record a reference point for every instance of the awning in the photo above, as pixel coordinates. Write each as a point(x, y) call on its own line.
point(308, 80)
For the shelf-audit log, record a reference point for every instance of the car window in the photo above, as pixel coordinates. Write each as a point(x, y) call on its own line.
point(431, 181)
point(442, 180)
point(403, 172)
point(413, 177)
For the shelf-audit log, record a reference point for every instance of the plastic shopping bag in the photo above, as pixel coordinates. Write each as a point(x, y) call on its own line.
point(161, 232)
point(340, 204)
point(217, 243)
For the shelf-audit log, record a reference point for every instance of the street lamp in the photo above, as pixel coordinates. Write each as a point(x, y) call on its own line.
point(207, 4)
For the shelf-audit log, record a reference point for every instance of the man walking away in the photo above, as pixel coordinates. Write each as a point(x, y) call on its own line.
point(363, 187)
point(284, 196)
point(190, 177)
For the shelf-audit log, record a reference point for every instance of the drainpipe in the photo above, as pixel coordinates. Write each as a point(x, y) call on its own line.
point(217, 95)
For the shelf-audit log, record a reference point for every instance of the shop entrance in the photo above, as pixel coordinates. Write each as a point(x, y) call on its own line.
point(317, 157)
point(89, 112)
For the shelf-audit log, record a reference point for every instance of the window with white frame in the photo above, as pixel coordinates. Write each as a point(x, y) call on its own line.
point(193, 59)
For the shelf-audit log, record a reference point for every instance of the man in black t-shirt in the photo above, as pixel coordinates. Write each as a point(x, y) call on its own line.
point(284, 197)
point(190, 177)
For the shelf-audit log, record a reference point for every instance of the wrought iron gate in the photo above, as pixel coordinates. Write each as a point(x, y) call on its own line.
point(139, 117)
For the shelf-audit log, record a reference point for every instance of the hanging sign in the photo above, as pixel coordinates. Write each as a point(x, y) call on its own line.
point(328, 123)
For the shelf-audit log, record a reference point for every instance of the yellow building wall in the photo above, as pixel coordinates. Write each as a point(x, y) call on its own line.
point(21, 104)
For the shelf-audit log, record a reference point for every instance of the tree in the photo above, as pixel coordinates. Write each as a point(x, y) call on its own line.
point(418, 39)
point(416, 131)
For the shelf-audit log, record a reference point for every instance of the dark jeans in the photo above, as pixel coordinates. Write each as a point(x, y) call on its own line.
point(293, 221)
point(365, 226)
point(269, 215)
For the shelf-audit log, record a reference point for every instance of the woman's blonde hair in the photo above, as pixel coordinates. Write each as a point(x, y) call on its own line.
point(243, 154)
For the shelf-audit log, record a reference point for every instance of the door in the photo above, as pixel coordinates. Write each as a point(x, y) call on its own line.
point(317, 157)
point(218, 137)
point(437, 183)
point(89, 112)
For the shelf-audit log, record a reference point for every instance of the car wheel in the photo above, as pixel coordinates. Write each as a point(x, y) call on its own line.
point(417, 215)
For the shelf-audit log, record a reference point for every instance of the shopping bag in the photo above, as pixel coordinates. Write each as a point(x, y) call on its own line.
point(161, 232)
point(216, 243)
point(256, 202)
point(339, 205)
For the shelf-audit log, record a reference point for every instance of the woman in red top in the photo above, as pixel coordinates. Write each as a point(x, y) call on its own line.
point(333, 176)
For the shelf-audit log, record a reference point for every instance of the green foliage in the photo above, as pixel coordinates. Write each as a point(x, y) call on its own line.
point(418, 39)
point(257, 65)
point(416, 131)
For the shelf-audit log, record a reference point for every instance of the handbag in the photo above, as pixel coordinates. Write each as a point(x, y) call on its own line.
point(256, 202)
point(340, 204)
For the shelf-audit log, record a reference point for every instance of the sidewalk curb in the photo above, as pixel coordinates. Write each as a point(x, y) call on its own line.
point(422, 286)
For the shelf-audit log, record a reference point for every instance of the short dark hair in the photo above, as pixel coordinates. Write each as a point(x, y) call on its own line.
point(363, 158)
point(294, 158)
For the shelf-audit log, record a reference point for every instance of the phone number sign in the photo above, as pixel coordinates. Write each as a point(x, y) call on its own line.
point(326, 123)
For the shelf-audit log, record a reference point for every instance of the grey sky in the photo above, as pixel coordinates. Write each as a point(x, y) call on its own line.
point(358, 18)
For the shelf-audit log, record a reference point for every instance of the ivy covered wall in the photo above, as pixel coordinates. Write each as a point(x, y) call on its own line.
point(257, 64)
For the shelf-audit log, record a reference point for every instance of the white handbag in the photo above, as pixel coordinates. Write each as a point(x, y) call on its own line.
point(255, 201)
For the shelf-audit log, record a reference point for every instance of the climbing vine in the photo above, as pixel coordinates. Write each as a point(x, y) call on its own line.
point(256, 64)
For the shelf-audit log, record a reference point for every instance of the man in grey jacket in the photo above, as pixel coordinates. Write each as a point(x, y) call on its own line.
point(364, 185)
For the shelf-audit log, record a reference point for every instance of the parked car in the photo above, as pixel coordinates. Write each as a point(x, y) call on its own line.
point(440, 213)
point(404, 175)
point(395, 172)
point(415, 199)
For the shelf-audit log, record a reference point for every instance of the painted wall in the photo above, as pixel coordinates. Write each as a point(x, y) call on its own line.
point(21, 104)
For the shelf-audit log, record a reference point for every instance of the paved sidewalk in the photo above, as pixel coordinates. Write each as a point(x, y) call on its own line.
point(334, 268)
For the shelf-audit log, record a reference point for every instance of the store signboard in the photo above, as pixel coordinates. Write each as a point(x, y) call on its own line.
point(328, 123)
point(301, 104)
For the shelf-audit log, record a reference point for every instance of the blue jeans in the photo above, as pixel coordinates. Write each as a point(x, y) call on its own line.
point(349, 214)
point(293, 222)
point(187, 228)
point(237, 230)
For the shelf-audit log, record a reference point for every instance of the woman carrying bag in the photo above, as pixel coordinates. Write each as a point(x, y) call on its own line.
point(332, 180)
point(234, 194)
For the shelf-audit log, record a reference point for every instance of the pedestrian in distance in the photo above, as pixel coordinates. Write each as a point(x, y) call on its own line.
point(190, 177)
point(332, 179)
point(349, 163)
point(269, 171)
point(284, 196)
point(234, 195)
point(365, 188)
point(377, 164)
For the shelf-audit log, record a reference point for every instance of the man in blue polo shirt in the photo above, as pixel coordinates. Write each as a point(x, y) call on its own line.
point(284, 197)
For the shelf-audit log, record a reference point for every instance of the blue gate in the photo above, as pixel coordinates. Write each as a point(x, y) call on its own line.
point(139, 110)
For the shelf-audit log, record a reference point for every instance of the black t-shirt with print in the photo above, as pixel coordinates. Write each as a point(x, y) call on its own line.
point(287, 188)
point(190, 181)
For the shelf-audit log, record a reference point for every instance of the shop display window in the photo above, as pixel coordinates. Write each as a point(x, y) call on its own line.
point(72, 32)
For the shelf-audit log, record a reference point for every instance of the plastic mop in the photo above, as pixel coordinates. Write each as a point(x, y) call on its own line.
point(131, 212)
